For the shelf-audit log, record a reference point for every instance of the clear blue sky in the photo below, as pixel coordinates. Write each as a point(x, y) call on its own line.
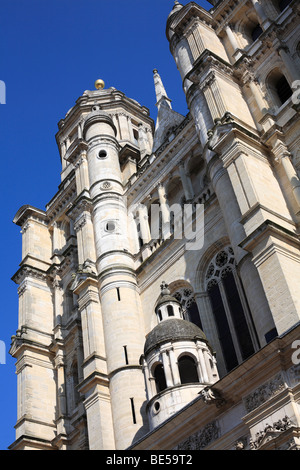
point(51, 51)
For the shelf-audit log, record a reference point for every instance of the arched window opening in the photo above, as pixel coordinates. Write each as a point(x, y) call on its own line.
point(283, 89)
point(160, 378)
point(233, 321)
point(283, 4)
point(159, 315)
point(256, 32)
point(187, 370)
point(170, 311)
point(141, 242)
point(279, 87)
point(135, 137)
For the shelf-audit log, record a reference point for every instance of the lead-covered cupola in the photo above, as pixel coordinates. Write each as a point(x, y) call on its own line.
point(178, 361)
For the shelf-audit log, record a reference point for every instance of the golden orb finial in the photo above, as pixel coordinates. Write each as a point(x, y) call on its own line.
point(99, 84)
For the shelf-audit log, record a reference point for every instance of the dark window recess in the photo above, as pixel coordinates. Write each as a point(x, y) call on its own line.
point(126, 355)
point(118, 294)
point(238, 316)
point(170, 311)
point(271, 335)
point(159, 315)
point(256, 32)
point(187, 370)
point(223, 327)
point(141, 242)
point(283, 4)
point(133, 410)
point(160, 379)
point(193, 314)
point(283, 89)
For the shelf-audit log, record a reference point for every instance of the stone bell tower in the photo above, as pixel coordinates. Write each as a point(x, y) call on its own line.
point(91, 321)
point(178, 361)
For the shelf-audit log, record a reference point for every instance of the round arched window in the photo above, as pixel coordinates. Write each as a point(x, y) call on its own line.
point(160, 379)
point(187, 370)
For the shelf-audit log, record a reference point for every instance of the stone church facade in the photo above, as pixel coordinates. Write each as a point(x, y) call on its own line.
point(159, 289)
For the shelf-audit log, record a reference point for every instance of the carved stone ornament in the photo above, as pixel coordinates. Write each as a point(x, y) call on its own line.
point(241, 443)
point(202, 438)
point(264, 393)
point(105, 186)
point(212, 397)
point(83, 272)
point(270, 432)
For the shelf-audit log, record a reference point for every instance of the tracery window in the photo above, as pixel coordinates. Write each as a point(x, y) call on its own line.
point(185, 296)
point(232, 318)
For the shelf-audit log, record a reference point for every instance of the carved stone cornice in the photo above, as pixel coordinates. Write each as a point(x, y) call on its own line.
point(27, 271)
point(29, 212)
point(208, 60)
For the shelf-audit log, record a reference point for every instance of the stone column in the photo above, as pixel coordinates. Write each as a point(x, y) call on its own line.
point(204, 375)
point(255, 90)
point(283, 156)
point(174, 367)
point(143, 141)
point(144, 225)
point(263, 19)
point(55, 238)
point(124, 126)
point(167, 369)
point(130, 130)
point(147, 380)
point(186, 182)
point(165, 213)
point(61, 388)
point(58, 302)
point(291, 69)
point(84, 172)
point(233, 41)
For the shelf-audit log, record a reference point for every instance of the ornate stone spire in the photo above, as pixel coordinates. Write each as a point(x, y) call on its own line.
point(160, 90)
point(167, 119)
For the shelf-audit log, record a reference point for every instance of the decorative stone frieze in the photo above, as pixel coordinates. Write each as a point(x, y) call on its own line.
point(264, 393)
point(203, 438)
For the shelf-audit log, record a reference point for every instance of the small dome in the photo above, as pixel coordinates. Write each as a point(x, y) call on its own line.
point(165, 296)
point(173, 329)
